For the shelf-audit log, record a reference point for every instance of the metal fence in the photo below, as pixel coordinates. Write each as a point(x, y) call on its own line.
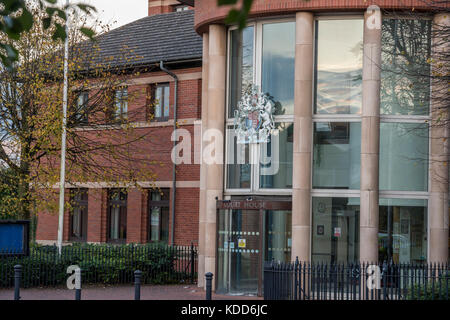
point(101, 264)
point(358, 281)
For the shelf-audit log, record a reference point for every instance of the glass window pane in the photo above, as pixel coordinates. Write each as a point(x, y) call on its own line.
point(337, 155)
point(166, 101)
point(241, 65)
point(154, 224)
point(114, 223)
point(405, 75)
point(403, 156)
point(158, 102)
point(335, 230)
point(278, 239)
point(164, 232)
point(238, 163)
point(339, 66)
point(402, 231)
point(276, 159)
point(278, 65)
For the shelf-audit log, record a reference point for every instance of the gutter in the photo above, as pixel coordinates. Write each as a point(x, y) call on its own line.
point(174, 172)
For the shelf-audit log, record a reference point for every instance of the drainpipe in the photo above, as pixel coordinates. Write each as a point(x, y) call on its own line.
point(174, 172)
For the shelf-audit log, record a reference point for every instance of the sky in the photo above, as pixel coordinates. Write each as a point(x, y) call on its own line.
point(117, 12)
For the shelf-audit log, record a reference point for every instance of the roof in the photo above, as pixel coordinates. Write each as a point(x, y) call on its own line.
point(169, 37)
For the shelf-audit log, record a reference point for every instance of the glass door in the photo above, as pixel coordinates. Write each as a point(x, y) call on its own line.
point(239, 251)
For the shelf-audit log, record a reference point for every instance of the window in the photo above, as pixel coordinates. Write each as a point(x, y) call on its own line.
point(80, 113)
point(262, 55)
point(338, 74)
point(405, 84)
point(335, 230)
point(120, 111)
point(181, 8)
point(337, 155)
point(78, 219)
point(402, 230)
point(117, 216)
point(158, 205)
point(161, 102)
point(403, 156)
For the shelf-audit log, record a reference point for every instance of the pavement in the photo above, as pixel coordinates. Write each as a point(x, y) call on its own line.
point(124, 292)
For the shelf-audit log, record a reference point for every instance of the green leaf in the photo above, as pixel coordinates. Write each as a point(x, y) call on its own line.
point(60, 32)
point(88, 32)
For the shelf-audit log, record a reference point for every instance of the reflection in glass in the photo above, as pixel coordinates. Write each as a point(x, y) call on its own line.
point(402, 231)
point(276, 159)
point(238, 163)
point(241, 65)
point(405, 74)
point(278, 65)
point(278, 236)
point(335, 230)
point(337, 155)
point(339, 66)
point(404, 156)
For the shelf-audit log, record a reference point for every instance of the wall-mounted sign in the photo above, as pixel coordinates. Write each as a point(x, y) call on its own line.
point(242, 243)
point(337, 232)
point(14, 237)
point(254, 117)
point(320, 230)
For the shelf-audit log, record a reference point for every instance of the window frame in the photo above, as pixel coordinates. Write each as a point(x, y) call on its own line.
point(157, 204)
point(81, 119)
point(154, 106)
point(118, 115)
point(254, 149)
point(83, 204)
point(123, 208)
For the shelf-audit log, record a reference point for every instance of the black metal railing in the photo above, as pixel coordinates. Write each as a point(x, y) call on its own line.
point(101, 264)
point(357, 281)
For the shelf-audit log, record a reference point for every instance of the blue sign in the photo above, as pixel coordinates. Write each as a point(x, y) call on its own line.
point(14, 237)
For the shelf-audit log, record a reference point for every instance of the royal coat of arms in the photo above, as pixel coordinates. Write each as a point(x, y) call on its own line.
point(254, 117)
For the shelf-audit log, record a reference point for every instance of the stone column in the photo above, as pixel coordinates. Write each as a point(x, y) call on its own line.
point(370, 138)
point(215, 125)
point(202, 197)
point(301, 182)
point(438, 206)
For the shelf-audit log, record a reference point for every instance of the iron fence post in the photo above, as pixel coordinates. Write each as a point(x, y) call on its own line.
point(78, 284)
point(209, 277)
point(17, 277)
point(192, 262)
point(137, 284)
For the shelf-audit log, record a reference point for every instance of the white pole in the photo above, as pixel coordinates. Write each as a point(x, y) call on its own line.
point(63, 139)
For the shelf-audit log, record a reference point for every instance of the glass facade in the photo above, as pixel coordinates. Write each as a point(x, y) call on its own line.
point(405, 75)
point(276, 159)
point(337, 155)
point(242, 51)
point(335, 229)
point(403, 230)
point(403, 157)
point(278, 62)
point(338, 72)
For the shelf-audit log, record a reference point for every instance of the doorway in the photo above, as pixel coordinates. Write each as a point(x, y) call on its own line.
point(250, 232)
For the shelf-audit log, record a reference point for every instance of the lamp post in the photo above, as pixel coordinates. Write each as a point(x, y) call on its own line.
point(63, 139)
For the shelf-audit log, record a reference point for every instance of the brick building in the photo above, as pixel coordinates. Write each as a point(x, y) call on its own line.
point(360, 174)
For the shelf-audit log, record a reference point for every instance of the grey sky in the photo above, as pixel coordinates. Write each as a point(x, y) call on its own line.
point(117, 12)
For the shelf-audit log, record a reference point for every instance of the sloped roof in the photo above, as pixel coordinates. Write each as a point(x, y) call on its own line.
point(169, 37)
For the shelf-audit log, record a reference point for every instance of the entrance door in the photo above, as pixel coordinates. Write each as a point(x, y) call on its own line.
point(239, 251)
point(240, 244)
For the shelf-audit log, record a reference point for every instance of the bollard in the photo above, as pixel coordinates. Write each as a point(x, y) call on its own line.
point(137, 284)
point(17, 277)
point(208, 277)
point(78, 284)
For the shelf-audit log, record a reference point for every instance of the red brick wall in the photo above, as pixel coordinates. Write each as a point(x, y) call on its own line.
point(157, 146)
